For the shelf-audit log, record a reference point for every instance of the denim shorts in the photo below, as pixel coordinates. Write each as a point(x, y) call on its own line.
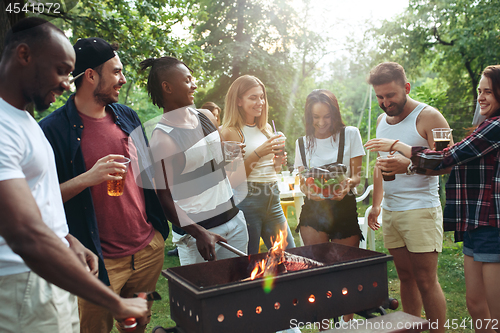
point(264, 215)
point(338, 219)
point(483, 244)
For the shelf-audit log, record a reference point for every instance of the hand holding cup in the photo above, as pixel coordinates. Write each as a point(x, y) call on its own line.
point(116, 186)
point(279, 144)
point(382, 164)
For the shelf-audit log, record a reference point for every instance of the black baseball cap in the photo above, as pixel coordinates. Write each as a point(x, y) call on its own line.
point(90, 53)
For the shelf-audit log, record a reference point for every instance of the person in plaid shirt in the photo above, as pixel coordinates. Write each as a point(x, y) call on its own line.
point(472, 198)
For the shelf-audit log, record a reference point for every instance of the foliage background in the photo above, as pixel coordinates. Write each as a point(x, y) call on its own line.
point(443, 45)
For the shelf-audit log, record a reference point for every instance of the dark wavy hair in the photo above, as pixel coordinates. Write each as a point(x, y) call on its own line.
point(493, 73)
point(160, 67)
point(328, 98)
point(387, 72)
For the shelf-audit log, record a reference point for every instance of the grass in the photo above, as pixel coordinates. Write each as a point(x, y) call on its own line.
point(450, 272)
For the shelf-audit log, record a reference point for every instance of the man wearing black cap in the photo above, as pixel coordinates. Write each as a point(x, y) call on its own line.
point(88, 134)
point(37, 255)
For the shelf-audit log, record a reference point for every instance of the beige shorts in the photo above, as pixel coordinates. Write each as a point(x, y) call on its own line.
point(420, 230)
point(127, 276)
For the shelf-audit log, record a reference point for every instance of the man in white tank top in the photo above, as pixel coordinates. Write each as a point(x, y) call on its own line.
point(411, 214)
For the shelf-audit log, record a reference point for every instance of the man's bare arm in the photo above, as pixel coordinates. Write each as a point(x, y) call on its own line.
point(42, 251)
point(378, 195)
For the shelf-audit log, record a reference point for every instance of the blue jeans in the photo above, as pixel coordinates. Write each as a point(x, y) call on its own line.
point(264, 216)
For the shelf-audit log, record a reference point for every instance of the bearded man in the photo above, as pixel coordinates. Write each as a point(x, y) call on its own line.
point(411, 216)
point(89, 134)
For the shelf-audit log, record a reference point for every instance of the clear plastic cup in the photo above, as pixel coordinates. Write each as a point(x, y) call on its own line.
point(116, 187)
point(387, 178)
point(280, 141)
point(231, 150)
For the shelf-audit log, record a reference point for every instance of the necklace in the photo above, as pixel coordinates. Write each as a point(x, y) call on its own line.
point(250, 124)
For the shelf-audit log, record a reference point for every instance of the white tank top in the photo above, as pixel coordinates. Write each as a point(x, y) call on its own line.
point(408, 192)
point(264, 171)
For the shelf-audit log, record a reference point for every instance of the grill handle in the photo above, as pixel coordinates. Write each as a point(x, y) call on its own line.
point(232, 248)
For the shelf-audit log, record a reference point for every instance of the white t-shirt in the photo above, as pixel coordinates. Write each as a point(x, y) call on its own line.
point(263, 171)
point(326, 150)
point(26, 153)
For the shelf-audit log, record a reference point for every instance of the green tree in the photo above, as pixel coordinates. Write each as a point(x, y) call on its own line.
point(456, 39)
point(268, 39)
point(142, 28)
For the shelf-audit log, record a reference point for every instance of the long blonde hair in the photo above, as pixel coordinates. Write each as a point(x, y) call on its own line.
point(234, 116)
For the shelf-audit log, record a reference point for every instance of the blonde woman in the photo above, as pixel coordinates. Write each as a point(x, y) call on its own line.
point(245, 121)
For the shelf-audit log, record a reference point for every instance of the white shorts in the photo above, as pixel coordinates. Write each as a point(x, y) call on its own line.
point(234, 231)
point(28, 303)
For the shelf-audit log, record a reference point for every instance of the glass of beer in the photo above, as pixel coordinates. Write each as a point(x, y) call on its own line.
point(115, 187)
point(442, 137)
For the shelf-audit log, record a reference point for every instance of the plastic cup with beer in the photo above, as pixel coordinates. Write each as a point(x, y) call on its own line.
point(387, 178)
point(442, 137)
point(115, 187)
point(280, 141)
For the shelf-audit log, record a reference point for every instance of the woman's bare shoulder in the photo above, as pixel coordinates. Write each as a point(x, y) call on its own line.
point(230, 134)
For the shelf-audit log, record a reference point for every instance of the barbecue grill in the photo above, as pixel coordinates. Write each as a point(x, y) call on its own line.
point(217, 297)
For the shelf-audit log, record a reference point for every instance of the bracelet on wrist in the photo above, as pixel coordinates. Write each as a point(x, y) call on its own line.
point(391, 152)
point(410, 170)
point(257, 154)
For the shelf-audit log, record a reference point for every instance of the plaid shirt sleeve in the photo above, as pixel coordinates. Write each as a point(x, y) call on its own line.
point(484, 140)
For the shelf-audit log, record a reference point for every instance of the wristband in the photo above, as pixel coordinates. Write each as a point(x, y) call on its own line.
point(257, 154)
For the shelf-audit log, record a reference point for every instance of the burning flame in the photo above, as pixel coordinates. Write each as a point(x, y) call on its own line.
point(259, 268)
point(274, 258)
point(279, 244)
